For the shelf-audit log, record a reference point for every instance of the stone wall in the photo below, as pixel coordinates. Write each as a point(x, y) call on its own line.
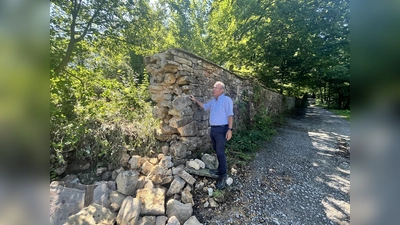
point(175, 74)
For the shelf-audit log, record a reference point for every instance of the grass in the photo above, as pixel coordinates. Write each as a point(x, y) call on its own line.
point(344, 113)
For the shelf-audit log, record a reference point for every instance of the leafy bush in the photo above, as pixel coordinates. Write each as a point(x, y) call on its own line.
point(98, 121)
point(246, 142)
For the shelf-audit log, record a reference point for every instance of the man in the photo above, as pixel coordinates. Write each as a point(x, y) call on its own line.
point(221, 121)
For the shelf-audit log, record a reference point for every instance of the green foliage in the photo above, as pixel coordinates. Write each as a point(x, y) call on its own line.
point(99, 104)
point(245, 142)
point(218, 193)
point(108, 117)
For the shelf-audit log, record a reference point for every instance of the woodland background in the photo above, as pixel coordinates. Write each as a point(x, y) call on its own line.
point(99, 102)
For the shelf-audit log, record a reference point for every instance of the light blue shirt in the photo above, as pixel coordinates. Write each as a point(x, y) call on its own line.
point(219, 110)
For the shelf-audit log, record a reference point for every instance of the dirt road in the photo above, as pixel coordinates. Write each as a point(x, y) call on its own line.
point(301, 177)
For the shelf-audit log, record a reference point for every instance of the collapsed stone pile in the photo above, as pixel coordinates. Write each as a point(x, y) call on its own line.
point(152, 191)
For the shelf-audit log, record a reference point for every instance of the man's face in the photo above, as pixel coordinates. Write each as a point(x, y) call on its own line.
point(217, 90)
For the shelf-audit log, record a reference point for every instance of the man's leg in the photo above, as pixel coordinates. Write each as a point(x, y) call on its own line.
point(220, 141)
point(220, 138)
point(213, 134)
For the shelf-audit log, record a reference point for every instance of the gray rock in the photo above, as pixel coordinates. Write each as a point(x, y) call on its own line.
point(91, 215)
point(188, 130)
point(192, 221)
point(127, 181)
point(152, 200)
point(181, 211)
point(187, 197)
point(178, 150)
point(135, 162)
point(210, 161)
point(107, 175)
point(176, 186)
point(64, 202)
point(161, 220)
point(201, 172)
point(147, 220)
point(101, 194)
point(116, 198)
point(180, 103)
point(193, 165)
point(156, 174)
point(129, 212)
point(187, 177)
point(147, 167)
point(173, 221)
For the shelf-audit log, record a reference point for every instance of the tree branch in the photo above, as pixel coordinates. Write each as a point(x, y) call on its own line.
point(73, 40)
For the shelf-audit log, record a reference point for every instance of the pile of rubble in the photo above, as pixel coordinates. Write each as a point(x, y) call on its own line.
point(151, 191)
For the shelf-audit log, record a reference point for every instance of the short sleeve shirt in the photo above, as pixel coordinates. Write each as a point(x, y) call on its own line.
point(219, 110)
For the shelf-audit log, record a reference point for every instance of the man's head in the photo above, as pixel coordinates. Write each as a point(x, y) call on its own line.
point(218, 89)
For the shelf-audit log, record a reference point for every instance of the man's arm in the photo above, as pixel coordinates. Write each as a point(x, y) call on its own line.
point(230, 125)
point(197, 101)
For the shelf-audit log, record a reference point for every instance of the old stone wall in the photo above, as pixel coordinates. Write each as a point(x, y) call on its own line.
point(175, 74)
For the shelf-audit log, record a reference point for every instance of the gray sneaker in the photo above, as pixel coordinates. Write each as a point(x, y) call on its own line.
point(222, 181)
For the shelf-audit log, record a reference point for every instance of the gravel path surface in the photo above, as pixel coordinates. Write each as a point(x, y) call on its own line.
point(301, 177)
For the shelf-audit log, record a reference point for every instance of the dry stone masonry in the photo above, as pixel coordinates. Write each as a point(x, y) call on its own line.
point(159, 190)
point(176, 74)
point(152, 191)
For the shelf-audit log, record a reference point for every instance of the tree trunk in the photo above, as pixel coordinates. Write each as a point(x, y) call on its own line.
point(321, 93)
point(329, 96)
point(66, 57)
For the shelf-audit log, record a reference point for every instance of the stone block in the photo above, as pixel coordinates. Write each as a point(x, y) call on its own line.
point(127, 181)
point(210, 161)
point(180, 103)
point(186, 177)
point(152, 201)
point(129, 212)
point(176, 186)
point(147, 220)
point(161, 220)
point(166, 129)
point(116, 200)
point(185, 80)
point(192, 221)
point(92, 215)
point(182, 61)
point(178, 150)
point(181, 211)
point(169, 78)
point(185, 68)
point(161, 96)
point(159, 112)
point(156, 174)
point(177, 122)
point(188, 130)
point(134, 162)
point(64, 201)
point(146, 168)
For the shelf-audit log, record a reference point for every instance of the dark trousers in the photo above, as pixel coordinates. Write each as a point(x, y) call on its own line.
point(218, 138)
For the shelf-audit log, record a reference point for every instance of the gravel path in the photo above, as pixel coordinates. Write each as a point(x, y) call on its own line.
point(300, 177)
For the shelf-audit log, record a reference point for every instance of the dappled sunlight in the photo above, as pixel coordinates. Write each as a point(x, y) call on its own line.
point(339, 183)
point(345, 171)
point(321, 141)
point(324, 154)
point(336, 210)
point(336, 182)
